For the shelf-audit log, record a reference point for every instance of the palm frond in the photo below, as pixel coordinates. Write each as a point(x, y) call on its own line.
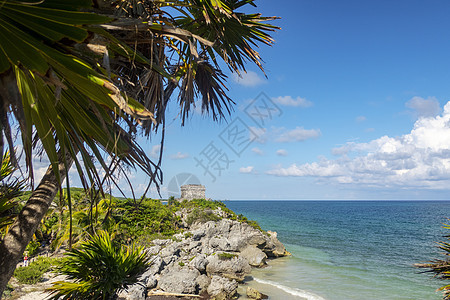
point(99, 269)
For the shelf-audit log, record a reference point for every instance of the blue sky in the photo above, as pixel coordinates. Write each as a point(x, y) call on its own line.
point(351, 79)
point(357, 91)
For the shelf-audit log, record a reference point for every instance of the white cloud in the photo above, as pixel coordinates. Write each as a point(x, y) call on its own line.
point(248, 79)
point(289, 101)
point(424, 107)
point(246, 170)
point(419, 159)
point(258, 151)
point(179, 155)
point(282, 152)
point(297, 135)
point(360, 119)
point(283, 135)
point(154, 152)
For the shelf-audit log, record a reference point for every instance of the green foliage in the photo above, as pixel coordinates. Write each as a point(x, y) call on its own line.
point(99, 269)
point(199, 215)
point(32, 247)
point(441, 267)
point(150, 217)
point(172, 202)
point(181, 264)
point(33, 273)
point(226, 255)
point(202, 203)
point(254, 224)
point(8, 291)
point(10, 188)
point(28, 275)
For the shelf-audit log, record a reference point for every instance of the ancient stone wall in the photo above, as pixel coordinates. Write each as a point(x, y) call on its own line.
point(192, 191)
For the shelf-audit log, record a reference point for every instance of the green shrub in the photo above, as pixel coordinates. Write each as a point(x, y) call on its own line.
point(201, 216)
point(32, 247)
point(99, 269)
point(202, 203)
point(28, 275)
point(181, 264)
point(226, 256)
point(33, 273)
point(254, 224)
point(150, 217)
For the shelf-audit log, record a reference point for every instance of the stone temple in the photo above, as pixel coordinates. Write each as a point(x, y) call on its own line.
point(192, 191)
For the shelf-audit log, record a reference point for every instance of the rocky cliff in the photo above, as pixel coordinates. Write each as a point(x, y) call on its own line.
point(208, 259)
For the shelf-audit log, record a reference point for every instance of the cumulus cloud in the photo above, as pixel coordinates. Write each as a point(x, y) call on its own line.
point(179, 155)
point(248, 79)
point(424, 107)
point(289, 101)
point(258, 151)
point(297, 135)
point(246, 170)
point(419, 159)
point(154, 152)
point(282, 152)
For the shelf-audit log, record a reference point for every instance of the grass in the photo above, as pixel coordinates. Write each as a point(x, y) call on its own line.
point(201, 216)
point(226, 255)
point(33, 273)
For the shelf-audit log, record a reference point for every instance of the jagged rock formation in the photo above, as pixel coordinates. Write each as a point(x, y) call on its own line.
point(207, 259)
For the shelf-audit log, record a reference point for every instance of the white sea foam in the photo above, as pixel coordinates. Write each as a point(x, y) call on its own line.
point(293, 291)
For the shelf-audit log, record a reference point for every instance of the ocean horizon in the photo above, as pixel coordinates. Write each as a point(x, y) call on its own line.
point(349, 249)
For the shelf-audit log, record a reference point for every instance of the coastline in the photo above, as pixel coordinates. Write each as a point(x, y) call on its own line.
point(211, 258)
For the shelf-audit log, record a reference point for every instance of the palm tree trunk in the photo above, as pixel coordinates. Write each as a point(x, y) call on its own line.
point(26, 223)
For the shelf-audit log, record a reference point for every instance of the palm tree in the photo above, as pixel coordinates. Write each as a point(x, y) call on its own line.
point(441, 267)
point(81, 84)
point(10, 188)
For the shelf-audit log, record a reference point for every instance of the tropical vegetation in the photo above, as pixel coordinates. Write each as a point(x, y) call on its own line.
point(99, 269)
point(33, 273)
point(83, 79)
point(440, 268)
point(112, 244)
point(10, 189)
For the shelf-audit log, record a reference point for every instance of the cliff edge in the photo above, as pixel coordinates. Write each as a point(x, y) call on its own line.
point(208, 259)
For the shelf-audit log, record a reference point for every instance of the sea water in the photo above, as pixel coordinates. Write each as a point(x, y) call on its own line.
point(349, 249)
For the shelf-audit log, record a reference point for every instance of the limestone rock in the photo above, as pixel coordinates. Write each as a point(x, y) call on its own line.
point(274, 248)
point(222, 288)
point(155, 267)
point(234, 268)
point(253, 293)
point(222, 244)
point(135, 292)
point(153, 250)
point(255, 256)
point(179, 281)
point(203, 281)
point(161, 242)
point(198, 234)
point(199, 262)
point(152, 282)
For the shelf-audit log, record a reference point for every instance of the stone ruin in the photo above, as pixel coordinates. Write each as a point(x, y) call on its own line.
point(192, 191)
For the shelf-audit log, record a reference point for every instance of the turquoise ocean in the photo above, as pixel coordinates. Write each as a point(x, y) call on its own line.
point(349, 249)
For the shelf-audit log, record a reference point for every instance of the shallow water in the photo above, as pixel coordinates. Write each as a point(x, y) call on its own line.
point(349, 249)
